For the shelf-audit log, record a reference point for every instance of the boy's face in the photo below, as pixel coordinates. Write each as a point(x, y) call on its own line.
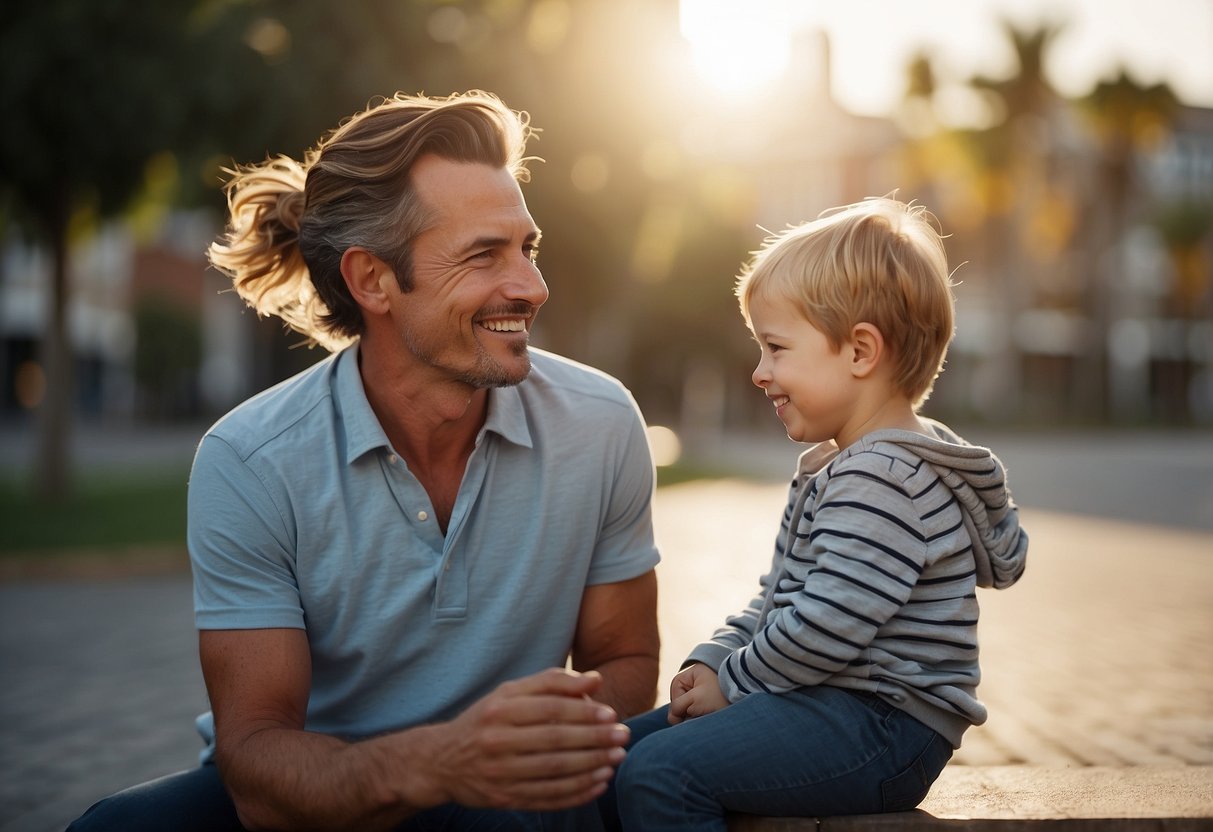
point(810, 383)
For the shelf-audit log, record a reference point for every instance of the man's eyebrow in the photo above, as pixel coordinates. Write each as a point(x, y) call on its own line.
point(498, 242)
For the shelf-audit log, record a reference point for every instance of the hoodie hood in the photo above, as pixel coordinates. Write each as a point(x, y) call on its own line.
point(978, 480)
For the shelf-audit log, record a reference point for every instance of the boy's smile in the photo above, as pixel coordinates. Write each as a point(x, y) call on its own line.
point(807, 381)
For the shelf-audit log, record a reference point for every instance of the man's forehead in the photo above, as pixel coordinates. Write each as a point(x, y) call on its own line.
point(441, 181)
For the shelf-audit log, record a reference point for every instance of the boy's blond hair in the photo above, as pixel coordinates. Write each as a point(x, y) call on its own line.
point(878, 261)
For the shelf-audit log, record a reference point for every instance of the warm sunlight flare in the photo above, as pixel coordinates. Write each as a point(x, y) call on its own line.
point(736, 48)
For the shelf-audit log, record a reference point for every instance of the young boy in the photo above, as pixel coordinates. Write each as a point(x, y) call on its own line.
point(846, 684)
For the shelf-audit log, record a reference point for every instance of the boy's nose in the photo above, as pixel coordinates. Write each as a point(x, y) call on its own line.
point(760, 376)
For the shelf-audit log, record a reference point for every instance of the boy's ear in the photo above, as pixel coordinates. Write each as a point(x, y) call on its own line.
point(363, 273)
point(867, 349)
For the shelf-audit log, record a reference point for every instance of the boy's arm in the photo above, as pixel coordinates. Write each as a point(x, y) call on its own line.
point(739, 629)
point(536, 743)
point(865, 551)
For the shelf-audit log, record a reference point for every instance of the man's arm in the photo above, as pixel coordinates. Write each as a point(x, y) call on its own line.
point(617, 636)
point(538, 743)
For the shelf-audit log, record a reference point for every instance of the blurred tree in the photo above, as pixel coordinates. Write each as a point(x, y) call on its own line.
point(1127, 119)
point(168, 353)
point(1012, 159)
point(90, 93)
point(1186, 227)
point(96, 93)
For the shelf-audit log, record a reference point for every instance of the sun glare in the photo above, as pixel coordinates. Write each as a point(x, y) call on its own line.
point(736, 48)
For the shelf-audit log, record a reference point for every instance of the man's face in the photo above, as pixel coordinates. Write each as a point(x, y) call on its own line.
point(476, 288)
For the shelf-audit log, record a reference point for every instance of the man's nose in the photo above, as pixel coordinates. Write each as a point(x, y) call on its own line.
point(526, 283)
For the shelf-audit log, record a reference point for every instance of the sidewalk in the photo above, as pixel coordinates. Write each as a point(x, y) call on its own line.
point(1099, 657)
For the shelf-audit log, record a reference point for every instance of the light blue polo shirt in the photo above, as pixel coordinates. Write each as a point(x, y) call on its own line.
point(302, 515)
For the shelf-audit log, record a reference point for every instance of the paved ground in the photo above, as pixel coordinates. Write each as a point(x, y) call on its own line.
point(1099, 657)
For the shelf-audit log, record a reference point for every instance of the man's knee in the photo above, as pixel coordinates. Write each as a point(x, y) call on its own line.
point(186, 801)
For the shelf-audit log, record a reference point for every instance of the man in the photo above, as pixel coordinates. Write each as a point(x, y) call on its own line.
point(396, 551)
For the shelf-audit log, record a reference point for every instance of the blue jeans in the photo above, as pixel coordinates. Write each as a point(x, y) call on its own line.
point(813, 752)
point(197, 801)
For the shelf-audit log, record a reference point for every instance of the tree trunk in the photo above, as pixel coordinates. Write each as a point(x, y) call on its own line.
point(53, 474)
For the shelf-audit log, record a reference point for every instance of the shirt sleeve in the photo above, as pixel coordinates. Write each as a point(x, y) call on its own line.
point(626, 547)
point(241, 548)
point(851, 572)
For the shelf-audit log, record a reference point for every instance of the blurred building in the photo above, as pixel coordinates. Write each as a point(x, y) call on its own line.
point(1084, 282)
point(1086, 279)
point(155, 333)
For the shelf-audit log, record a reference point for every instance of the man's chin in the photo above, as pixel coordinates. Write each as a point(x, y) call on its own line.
point(498, 374)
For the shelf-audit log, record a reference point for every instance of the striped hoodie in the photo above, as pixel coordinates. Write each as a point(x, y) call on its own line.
point(873, 583)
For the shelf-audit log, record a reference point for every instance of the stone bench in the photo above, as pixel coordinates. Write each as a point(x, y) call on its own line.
point(1022, 797)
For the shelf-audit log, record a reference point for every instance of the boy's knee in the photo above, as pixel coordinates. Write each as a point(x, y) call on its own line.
point(647, 765)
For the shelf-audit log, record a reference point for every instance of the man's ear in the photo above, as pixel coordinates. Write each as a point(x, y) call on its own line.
point(867, 349)
point(364, 273)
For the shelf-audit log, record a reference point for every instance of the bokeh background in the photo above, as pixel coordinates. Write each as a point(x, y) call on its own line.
point(1067, 147)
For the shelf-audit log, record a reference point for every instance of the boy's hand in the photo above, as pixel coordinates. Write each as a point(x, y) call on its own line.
point(695, 692)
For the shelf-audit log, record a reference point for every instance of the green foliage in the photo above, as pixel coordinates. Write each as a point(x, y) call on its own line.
point(1184, 223)
point(83, 94)
point(106, 512)
point(168, 354)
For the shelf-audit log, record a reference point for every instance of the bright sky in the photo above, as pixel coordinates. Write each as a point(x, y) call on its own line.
point(741, 45)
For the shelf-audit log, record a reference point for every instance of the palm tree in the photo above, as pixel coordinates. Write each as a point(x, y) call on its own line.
point(1013, 161)
point(1126, 119)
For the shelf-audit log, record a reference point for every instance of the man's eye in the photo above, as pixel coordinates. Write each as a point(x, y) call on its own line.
point(532, 252)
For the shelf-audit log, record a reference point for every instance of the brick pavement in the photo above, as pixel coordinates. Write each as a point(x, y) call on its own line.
point(101, 688)
point(1099, 657)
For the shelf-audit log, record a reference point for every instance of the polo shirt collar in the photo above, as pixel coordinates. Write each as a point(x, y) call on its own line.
point(363, 433)
point(507, 416)
point(362, 430)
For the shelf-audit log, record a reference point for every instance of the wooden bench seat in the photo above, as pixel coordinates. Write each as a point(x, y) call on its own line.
point(1029, 798)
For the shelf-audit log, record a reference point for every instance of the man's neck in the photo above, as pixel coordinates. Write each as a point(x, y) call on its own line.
point(431, 422)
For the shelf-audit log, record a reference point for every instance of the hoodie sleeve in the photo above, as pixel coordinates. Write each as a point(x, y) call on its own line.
point(864, 551)
point(738, 629)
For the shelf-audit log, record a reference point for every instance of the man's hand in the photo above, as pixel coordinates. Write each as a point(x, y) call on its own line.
point(695, 692)
point(539, 743)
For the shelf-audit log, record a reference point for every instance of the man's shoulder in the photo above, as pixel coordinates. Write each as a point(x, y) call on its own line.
point(277, 411)
point(555, 374)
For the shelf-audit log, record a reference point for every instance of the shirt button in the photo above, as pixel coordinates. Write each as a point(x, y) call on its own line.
point(391, 458)
point(422, 516)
